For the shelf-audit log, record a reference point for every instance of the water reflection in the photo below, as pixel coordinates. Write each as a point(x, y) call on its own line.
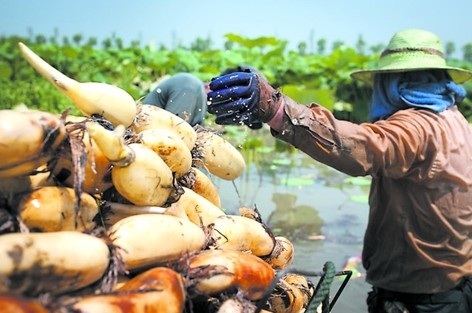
point(296, 222)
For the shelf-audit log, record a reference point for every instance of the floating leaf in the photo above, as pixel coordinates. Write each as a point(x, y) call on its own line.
point(297, 181)
point(264, 149)
point(253, 143)
point(284, 162)
point(360, 198)
point(358, 181)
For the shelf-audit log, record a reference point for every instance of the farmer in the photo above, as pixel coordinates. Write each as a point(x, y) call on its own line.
point(418, 150)
point(182, 94)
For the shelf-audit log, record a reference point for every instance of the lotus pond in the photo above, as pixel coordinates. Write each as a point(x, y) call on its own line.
point(324, 212)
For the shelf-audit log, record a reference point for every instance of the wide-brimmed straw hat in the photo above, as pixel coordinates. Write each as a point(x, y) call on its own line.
point(413, 50)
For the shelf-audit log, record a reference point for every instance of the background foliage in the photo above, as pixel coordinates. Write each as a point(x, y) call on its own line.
point(307, 77)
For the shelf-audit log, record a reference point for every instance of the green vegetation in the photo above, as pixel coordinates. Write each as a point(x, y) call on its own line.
point(307, 77)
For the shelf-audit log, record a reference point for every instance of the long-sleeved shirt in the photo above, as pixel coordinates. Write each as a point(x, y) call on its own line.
point(182, 94)
point(419, 233)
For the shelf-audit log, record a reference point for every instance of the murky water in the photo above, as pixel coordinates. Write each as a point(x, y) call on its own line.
point(327, 201)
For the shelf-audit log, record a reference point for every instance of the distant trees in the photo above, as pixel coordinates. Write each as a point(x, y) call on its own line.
point(321, 44)
point(337, 44)
point(302, 48)
point(92, 41)
point(360, 45)
point(449, 49)
point(200, 44)
point(228, 45)
point(77, 39)
point(467, 52)
point(377, 48)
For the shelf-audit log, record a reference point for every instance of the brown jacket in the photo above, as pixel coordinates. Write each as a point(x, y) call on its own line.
point(419, 233)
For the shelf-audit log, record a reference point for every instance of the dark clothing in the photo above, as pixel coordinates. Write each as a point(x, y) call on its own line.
point(182, 94)
point(419, 233)
point(456, 300)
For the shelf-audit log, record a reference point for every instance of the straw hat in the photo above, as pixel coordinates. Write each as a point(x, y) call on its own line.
point(412, 50)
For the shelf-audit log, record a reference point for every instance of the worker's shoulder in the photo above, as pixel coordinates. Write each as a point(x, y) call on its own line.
point(186, 76)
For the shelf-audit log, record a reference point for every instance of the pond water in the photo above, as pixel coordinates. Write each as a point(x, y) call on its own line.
point(324, 213)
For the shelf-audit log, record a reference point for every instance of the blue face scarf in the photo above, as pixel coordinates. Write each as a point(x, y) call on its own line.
point(432, 90)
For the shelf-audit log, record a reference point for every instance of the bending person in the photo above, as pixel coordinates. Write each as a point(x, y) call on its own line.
point(182, 94)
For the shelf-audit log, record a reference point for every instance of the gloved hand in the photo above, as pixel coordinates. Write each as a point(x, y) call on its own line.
point(242, 97)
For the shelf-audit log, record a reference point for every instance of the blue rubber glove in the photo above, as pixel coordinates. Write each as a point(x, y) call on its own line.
point(234, 99)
